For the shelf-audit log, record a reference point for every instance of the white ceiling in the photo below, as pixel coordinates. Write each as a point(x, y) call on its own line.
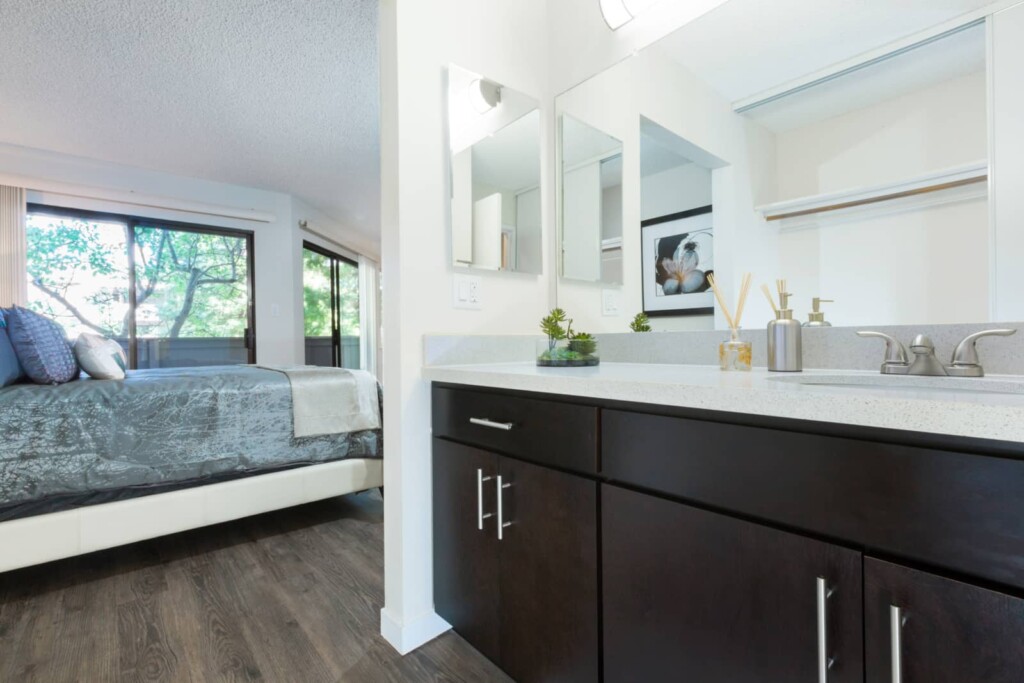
point(747, 46)
point(275, 94)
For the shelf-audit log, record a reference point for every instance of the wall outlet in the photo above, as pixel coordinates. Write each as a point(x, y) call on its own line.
point(466, 292)
point(611, 302)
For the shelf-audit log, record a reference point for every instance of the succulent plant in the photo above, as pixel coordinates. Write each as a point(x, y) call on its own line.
point(552, 326)
point(583, 344)
point(641, 323)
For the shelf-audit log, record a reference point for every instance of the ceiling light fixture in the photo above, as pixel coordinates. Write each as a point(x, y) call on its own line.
point(484, 95)
point(615, 13)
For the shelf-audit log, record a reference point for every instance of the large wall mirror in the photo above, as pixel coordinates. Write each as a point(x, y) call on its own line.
point(494, 134)
point(868, 187)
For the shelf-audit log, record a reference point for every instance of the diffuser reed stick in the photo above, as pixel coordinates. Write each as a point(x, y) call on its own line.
point(733, 322)
point(771, 301)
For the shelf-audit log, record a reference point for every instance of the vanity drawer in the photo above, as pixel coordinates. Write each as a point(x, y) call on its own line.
point(562, 435)
point(959, 511)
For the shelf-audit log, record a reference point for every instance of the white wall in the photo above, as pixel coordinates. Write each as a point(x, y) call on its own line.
point(63, 180)
point(505, 40)
point(582, 44)
point(673, 190)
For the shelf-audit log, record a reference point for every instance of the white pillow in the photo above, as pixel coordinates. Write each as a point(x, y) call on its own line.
point(100, 358)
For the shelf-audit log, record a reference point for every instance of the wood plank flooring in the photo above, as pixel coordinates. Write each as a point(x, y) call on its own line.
point(291, 596)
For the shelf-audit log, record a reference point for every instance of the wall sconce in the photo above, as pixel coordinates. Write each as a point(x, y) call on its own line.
point(615, 13)
point(484, 95)
point(618, 13)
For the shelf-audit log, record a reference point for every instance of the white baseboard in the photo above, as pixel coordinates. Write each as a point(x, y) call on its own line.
point(407, 637)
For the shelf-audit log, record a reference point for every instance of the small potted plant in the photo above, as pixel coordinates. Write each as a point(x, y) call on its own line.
point(641, 323)
point(565, 348)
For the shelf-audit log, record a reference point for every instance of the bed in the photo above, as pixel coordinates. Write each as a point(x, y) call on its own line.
point(92, 464)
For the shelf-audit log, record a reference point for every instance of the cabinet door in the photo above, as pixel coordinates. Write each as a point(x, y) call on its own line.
point(949, 632)
point(548, 559)
point(694, 596)
point(465, 556)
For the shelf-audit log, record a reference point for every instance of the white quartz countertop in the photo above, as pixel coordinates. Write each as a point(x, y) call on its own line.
point(934, 405)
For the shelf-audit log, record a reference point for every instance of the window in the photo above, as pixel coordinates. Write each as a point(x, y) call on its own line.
point(330, 288)
point(172, 294)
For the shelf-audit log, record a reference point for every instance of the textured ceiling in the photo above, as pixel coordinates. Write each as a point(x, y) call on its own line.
point(275, 94)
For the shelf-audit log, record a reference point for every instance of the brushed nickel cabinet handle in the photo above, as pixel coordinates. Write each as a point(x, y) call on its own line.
point(824, 661)
point(480, 516)
point(484, 422)
point(896, 621)
point(502, 524)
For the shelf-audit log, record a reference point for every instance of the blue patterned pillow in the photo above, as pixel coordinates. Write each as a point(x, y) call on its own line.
point(41, 347)
point(10, 368)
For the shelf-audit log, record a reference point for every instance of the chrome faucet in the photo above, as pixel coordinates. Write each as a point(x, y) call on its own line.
point(965, 361)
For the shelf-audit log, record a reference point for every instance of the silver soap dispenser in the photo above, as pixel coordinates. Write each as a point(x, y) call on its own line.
point(816, 318)
point(785, 343)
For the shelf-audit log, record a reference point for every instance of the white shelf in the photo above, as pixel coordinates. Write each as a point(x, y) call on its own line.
point(611, 244)
point(939, 187)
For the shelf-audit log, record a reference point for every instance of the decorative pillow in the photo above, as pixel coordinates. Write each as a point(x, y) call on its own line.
point(10, 368)
point(41, 347)
point(100, 358)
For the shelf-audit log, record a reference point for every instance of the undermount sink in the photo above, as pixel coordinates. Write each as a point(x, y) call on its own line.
point(907, 383)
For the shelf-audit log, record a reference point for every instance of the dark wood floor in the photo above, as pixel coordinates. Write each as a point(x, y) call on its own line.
point(291, 596)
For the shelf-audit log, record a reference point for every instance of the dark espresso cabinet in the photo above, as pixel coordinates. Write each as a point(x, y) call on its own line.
point(465, 557)
point(515, 562)
point(691, 595)
point(922, 627)
point(582, 540)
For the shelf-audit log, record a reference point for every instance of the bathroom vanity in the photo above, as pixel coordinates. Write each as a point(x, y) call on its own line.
point(585, 531)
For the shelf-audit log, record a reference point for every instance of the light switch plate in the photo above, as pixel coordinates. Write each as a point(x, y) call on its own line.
point(466, 291)
point(611, 302)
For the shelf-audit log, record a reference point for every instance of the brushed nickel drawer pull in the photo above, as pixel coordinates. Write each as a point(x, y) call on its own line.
point(484, 422)
point(502, 524)
point(896, 621)
point(824, 661)
point(480, 516)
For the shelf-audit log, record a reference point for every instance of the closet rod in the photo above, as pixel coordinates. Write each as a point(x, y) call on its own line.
point(882, 198)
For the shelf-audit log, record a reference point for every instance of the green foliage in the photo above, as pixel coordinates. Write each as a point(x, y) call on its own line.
point(641, 323)
point(583, 344)
point(316, 295)
point(552, 325)
point(187, 284)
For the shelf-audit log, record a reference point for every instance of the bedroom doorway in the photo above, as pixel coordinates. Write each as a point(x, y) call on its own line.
point(330, 284)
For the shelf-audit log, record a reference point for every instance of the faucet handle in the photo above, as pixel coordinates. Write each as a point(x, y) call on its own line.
point(965, 356)
point(896, 359)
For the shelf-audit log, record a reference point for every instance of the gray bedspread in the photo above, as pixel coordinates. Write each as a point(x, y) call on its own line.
point(156, 427)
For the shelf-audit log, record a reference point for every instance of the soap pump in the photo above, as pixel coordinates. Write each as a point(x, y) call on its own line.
point(816, 318)
point(785, 345)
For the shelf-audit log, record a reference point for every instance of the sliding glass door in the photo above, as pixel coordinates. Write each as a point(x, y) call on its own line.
point(172, 294)
point(330, 285)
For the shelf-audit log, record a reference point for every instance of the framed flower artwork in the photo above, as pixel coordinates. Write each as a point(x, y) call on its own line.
point(678, 255)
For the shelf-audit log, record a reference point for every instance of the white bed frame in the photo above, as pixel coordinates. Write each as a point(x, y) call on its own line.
point(43, 538)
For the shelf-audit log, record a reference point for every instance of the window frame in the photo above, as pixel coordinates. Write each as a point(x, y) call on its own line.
point(133, 222)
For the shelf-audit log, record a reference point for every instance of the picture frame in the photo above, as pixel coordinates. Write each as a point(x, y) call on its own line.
point(677, 255)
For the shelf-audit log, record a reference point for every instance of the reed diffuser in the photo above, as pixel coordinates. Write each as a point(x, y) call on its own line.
point(733, 354)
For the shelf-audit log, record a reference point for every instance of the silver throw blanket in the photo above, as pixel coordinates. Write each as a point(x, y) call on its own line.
point(155, 427)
